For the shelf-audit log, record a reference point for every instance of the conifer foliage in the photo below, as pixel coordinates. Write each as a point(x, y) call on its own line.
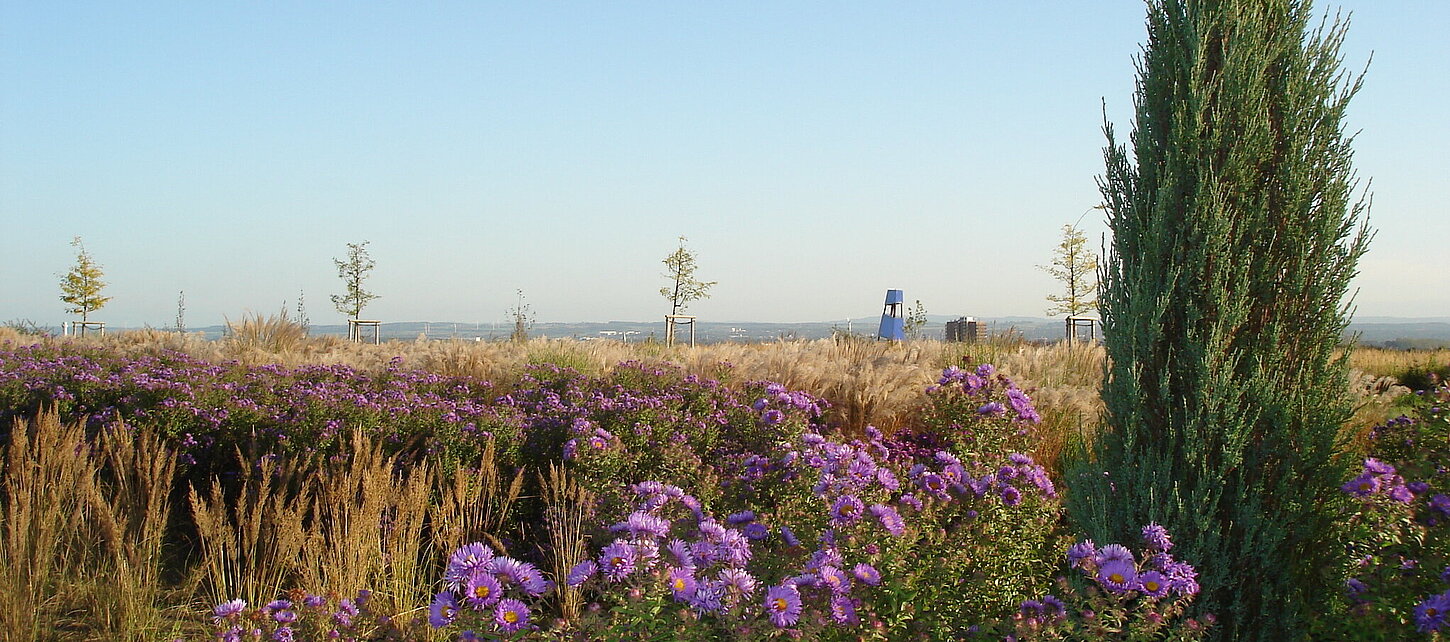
point(1236, 231)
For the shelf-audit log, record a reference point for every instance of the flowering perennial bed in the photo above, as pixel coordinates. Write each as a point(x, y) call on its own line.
point(713, 511)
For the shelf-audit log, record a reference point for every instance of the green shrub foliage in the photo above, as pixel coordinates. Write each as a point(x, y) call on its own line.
point(1236, 232)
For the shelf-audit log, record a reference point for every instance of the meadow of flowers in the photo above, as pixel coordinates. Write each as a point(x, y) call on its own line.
point(313, 502)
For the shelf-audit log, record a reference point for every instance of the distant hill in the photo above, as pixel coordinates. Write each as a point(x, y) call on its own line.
point(1374, 331)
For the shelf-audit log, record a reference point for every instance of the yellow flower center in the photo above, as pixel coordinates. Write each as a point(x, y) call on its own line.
point(1151, 586)
point(1366, 486)
point(481, 591)
point(778, 604)
point(448, 611)
point(617, 562)
point(1116, 578)
point(510, 616)
point(1431, 611)
point(679, 584)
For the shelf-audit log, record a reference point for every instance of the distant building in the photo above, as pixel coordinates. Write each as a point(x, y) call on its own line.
point(963, 330)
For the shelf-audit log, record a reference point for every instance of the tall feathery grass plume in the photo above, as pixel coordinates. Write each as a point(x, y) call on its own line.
point(251, 530)
point(130, 501)
point(46, 473)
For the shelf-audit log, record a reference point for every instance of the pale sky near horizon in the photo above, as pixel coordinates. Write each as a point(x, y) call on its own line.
point(815, 153)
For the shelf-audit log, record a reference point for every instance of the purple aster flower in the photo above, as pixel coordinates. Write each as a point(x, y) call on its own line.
point(1117, 575)
point(1441, 504)
point(756, 531)
point(1022, 405)
point(1157, 537)
point(1153, 584)
point(1401, 494)
point(1010, 495)
point(735, 548)
point(742, 517)
point(934, 484)
point(772, 417)
point(511, 615)
point(890, 519)
point(226, 610)
point(283, 634)
point(464, 561)
point(443, 609)
point(481, 591)
point(1182, 577)
point(867, 574)
point(834, 579)
point(847, 509)
point(843, 610)
point(783, 605)
point(1376, 467)
point(682, 584)
point(277, 605)
point(1114, 552)
point(709, 596)
point(1362, 486)
point(991, 409)
point(1430, 614)
point(887, 479)
point(314, 601)
point(641, 524)
point(680, 550)
point(571, 449)
point(738, 580)
point(1081, 551)
point(910, 500)
point(582, 572)
point(617, 560)
point(789, 537)
point(285, 616)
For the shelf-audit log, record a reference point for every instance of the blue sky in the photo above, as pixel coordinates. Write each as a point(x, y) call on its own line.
point(815, 153)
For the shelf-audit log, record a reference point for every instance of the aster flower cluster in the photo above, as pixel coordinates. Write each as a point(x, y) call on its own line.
point(301, 616)
point(1398, 560)
point(477, 590)
point(703, 564)
point(1136, 598)
point(1118, 571)
point(951, 479)
point(777, 400)
point(980, 384)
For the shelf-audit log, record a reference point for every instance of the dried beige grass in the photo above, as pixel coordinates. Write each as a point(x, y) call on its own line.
point(131, 505)
point(251, 540)
point(474, 504)
point(566, 504)
point(45, 478)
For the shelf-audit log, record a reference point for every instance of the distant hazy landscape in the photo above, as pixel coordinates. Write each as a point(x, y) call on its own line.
point(1400, 332)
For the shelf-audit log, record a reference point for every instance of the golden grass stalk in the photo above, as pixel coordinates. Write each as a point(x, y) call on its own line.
point(566, 504)
point(474, 505)
point(45, 476)
point(130, 504)
point(251, 540)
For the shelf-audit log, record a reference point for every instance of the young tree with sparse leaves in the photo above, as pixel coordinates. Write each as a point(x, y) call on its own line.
point(1235, 235)
point(353, 272)
point(523, 317)
point(81, 287)
point(1076, 266)
point(684, 288)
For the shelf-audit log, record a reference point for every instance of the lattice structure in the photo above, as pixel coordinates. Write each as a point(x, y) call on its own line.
point(672, 320)
point(355, 330)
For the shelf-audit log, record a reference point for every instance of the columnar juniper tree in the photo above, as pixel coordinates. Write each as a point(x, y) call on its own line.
point(1235, 236)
